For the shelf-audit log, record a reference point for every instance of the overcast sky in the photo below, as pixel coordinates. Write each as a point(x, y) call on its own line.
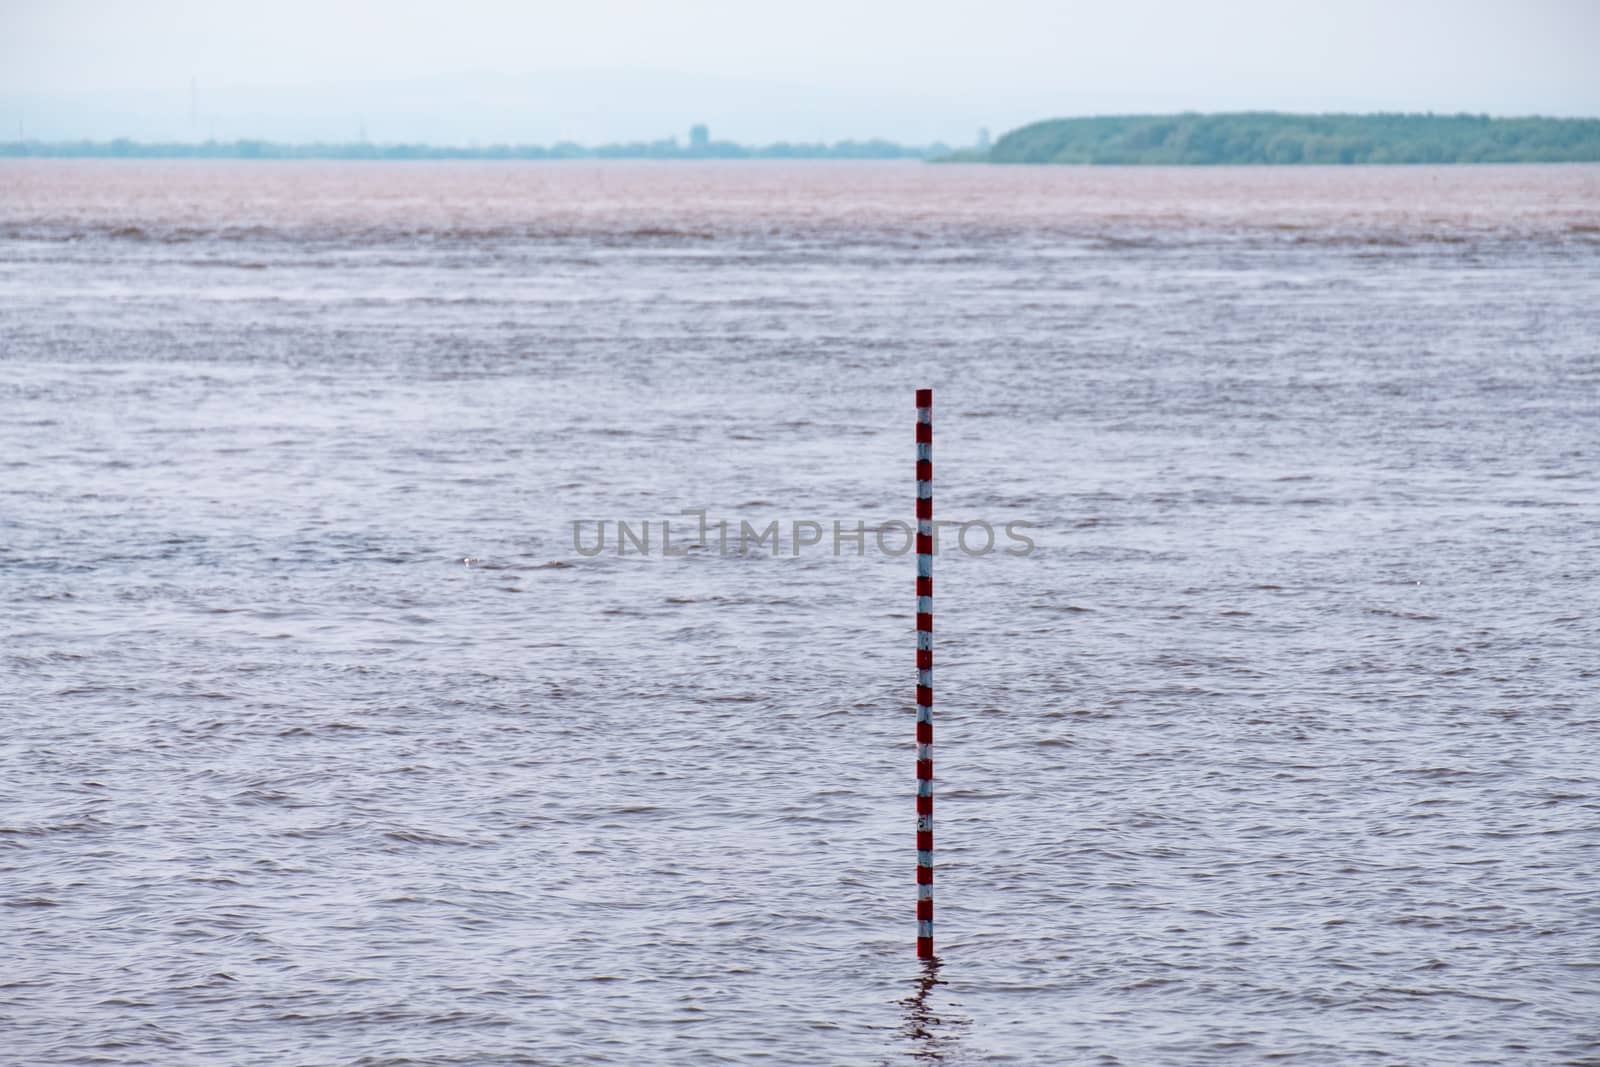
point(911, 70)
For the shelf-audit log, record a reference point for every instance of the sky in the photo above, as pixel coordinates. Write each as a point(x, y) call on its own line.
point(533, 71)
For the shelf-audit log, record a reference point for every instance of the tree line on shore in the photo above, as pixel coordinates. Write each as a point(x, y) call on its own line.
point(1262, 137)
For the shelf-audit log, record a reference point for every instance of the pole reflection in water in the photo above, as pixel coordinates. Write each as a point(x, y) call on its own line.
point(933, 1035)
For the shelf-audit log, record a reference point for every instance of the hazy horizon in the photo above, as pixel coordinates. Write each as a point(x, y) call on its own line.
point(616, 71)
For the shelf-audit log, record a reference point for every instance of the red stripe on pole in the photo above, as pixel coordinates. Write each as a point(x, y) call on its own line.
point(925, 622)
point(924, 433)
point(924, 733)
point(924, 659)
point(924, 875)
point(924, 805)
point(925, 509)
point(924, 696)
point(924, 544)
point(924, 840)
point(925, 910)
point(924, 398)
point(925, 769)
point(924, 586)
point(924, 470)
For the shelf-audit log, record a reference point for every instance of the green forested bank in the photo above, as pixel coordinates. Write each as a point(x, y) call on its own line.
point(1272, 137)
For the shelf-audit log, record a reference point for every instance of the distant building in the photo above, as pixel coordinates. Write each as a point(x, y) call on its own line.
point(699, 138)
point(983, 138)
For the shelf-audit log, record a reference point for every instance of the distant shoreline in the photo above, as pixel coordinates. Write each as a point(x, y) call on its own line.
point(659, 150)
point(1253, 138)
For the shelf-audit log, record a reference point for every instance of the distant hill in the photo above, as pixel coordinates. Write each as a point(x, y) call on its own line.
point(1273, 137)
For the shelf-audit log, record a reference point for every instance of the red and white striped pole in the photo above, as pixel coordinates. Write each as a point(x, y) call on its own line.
point(925, 674)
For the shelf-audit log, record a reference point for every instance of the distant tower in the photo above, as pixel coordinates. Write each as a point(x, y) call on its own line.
point(983, 138)
point(699, 137)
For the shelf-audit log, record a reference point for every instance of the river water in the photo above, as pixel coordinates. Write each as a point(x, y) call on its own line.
point(322, 742)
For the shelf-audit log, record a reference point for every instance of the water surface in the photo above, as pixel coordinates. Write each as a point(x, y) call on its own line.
point(320, 743)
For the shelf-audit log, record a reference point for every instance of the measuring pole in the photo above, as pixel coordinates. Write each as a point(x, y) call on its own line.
point(925, 674)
